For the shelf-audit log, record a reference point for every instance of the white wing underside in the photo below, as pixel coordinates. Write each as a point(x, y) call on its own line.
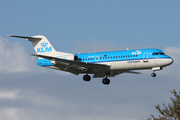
point(77, 67)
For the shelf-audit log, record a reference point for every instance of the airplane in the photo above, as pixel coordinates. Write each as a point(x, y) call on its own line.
point(100, 64)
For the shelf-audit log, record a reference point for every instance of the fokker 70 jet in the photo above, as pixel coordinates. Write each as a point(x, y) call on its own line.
point(100, 64)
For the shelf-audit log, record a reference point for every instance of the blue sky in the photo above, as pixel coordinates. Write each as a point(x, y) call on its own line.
point(141, 23)
point(29, 91)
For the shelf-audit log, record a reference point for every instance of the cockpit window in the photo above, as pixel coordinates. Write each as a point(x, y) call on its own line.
point(161, 53)
point(155, 53)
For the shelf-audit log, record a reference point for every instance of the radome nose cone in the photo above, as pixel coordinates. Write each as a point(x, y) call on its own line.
point(170, 61)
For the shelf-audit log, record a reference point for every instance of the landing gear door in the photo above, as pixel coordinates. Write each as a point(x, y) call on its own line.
point(145, 57)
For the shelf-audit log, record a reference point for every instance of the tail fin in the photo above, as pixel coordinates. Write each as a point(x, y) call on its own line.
point(41, 45)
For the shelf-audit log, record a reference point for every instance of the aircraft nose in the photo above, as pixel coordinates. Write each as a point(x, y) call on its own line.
point(170, 61)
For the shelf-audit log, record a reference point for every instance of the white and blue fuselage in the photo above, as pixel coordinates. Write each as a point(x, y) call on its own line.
point(129, 59)
point(101, 64)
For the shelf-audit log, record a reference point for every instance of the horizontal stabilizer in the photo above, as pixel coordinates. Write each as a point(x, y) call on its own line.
point(27, 38)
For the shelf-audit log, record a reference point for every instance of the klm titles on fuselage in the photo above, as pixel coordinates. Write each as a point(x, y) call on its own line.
point(44, 48)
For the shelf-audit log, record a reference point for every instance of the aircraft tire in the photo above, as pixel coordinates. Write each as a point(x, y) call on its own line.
point(106, 81)
point(153, 74)
point(86, 78)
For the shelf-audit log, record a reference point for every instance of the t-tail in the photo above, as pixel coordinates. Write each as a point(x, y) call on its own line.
point(44, 48)
point(41, 45)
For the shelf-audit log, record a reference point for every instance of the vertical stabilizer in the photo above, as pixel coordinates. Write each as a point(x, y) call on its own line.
point(41, 45)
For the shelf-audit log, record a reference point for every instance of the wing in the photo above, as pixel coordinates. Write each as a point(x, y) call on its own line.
point(76, 67)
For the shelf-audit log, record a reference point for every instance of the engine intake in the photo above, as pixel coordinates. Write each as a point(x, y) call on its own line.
point(76, 58)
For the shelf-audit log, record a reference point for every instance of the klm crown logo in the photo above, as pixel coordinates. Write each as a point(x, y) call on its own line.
point(44, 44)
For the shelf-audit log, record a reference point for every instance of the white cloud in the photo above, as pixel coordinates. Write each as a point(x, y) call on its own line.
point(9, 113)
point(8, 94)
point(17, 114)
point(35, 107)
point(40, 106)
point(13, 58)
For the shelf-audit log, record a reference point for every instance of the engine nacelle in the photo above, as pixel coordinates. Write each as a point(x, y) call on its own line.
point(76, 58)
point(67, 57)
point(70, 57)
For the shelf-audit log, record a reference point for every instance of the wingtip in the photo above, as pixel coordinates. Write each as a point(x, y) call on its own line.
point(34, 55)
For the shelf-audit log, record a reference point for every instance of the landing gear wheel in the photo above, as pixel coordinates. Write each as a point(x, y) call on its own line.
point(106, 81)
point(86, 78)
point(153, 74)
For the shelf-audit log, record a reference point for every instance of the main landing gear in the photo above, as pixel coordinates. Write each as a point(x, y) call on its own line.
point(153, 74)
point(105, 81)
point(86, 78)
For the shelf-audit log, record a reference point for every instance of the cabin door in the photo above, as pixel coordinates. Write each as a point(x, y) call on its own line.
point(145, 57)
point(97, 58)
